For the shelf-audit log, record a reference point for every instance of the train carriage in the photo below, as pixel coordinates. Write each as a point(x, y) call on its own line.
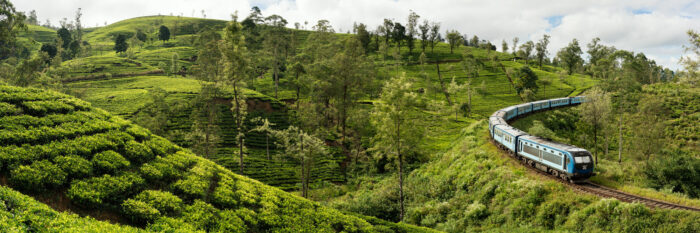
point(577, 99)
point(495, 120)
point(559, 102)
point(566, 161)
point(511, 112)
point(524, 108)
point(540, 105)
point(507, 136)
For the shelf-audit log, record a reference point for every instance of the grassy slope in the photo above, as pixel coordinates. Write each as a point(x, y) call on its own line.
point(63, 138)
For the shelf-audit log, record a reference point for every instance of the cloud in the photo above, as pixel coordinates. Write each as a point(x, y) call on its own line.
point(654, 27)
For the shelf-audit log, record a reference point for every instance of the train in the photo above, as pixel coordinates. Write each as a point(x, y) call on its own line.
point(561, 160)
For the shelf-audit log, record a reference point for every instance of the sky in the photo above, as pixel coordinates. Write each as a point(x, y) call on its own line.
point(656, 28)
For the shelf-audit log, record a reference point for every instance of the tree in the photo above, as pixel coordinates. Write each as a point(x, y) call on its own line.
point(526, 80)
point(163, 33)
point(541, 48)
point(474, 42)
point(692, 65)
point(32, 19)
point(205, 133)
point(78, 27)
point(397, 122)
point(141, 36)
point(276, 44)
point(504, 46)
point(570, 56)
point(399, 35)
point(595, 111)
point(65, 37)
point(454, 39)
point(303, 146)
point(424, 35)
point(266, 128)
point(363, 36)
point(434, 35)
point(526, 51)
point(235, 63)
point(600, 64)
point(352, 70)
point(649, 127)
point(120, 44)
point(50, 49)
point(515, 45)
point(11, 23)
point(386, 30)
point(412, 30)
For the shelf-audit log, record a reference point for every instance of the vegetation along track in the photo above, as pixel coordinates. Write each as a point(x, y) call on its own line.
point(602, 191)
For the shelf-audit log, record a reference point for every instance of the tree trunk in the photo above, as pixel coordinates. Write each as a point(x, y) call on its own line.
point(619, 149)
point(595, 142)
point(238, 127)
point(301, 153)
point(442, 84)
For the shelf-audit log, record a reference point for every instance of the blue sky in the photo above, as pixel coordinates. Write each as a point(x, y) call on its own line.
point(656, 28)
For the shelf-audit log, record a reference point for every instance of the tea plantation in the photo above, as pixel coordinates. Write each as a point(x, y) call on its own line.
point(103, 166)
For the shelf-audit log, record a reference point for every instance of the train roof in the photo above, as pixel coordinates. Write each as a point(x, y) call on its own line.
point(523, 105)
point(507, 108)
point(557, 145)
point(511, 130)
point(539, 101)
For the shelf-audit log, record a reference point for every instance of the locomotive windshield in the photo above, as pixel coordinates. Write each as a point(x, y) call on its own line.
point(582, 157)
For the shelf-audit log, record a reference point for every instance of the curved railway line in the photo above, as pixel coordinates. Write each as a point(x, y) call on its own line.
point(596, 189)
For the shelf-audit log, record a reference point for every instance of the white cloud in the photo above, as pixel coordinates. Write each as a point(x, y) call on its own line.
point(658, 30)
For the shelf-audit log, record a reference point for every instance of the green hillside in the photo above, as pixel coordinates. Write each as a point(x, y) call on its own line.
point(80, 158)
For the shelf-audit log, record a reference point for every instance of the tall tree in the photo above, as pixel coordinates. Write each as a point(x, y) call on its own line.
point(526, 81)
point(424, 35)
point(351, 73)
point(387, 30)
point(266, 128)
point(398, 35)
point(504, 46)
point(474, 42)
point(541, 49)
point(235, 63)
point(595, 111)
point(163, 33)
point(515, 45)
point(434, 35)
point(454, 38)
point(397, 122)
point(570, 56)
point(32, 18)
point(120, 44)
point(526, 50)
point(649, 127)
point(363, 36)
point(276, 43)
point(412, 31)
point(303, 146)
point(692, 65)
point(11, 24)
point(601, 63)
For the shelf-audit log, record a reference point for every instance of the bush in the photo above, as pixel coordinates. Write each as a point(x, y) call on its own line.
point(74, 166)
point(44, 107)
point(109, 162)
point(166, 203)
point(172, 225)
point(138, 132)
point(37, 176)
point(105, 190)
point(160, 146)
point(201, 215)
point(137, 152)
point(7, 109)
point(139, 211)
point(230, 222)
point(679, 173)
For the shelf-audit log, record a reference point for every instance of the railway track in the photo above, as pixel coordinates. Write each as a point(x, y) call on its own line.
point(602, 191)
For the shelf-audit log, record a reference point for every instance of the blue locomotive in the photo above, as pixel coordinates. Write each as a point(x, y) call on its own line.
point(560, 160)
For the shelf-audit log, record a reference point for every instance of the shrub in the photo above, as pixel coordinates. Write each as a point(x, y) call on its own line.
point(172, 225)
point(679, 173)
point(201, 215)
point(8, 109)
point(166, 203)
point(160, 146)
point(138, 132)
point(37, 176)
point(137, 152)
point(230, 222)
point(105, 189)
point(74, 166)
point(44, 107)
point(139, 211)
point(192, 186)
point(109, 162)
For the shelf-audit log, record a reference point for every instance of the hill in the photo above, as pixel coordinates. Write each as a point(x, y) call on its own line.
point(79, 158)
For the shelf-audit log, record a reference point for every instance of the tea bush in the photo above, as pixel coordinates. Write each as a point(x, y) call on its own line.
point(38, 176)
point(166, 203)
point(109, 162)
point(137, 152)
point(74, 166)
point(139, 211)
point(107, 189)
